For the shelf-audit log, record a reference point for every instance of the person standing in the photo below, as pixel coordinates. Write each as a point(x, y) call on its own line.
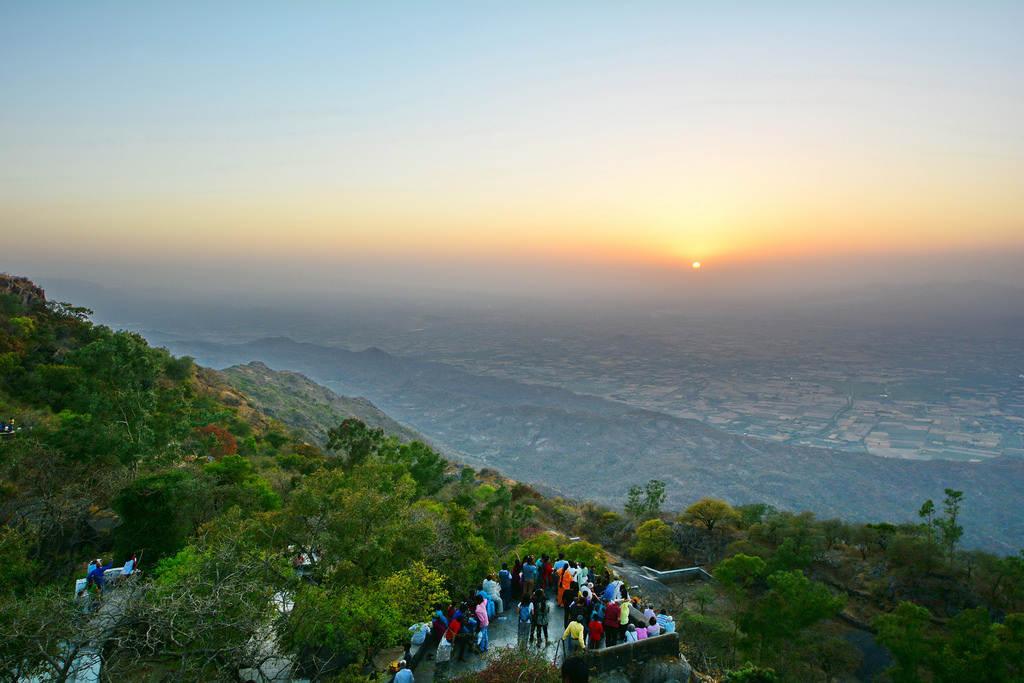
point(525, 620)
point(97, 574)
point(624, 618)
point(529, 576)
point(612, 612)
point(573, 638)
point(484, 621)
point(505, 586)
point(541, 614)
point(596, 630)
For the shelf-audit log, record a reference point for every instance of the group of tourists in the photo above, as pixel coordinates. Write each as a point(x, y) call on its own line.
point(596, 609)
point(461, 629)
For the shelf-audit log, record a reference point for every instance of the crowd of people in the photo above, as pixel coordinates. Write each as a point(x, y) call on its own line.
point(597, 611)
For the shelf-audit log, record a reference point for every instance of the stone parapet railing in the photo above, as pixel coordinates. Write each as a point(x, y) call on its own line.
point(619, 656)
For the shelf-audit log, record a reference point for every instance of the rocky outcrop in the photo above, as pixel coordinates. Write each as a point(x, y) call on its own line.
point(23, 288)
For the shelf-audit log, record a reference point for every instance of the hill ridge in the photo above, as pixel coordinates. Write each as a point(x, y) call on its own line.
point(599, 448)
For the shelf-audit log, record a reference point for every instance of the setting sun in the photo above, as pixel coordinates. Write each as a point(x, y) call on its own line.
point(696, 265)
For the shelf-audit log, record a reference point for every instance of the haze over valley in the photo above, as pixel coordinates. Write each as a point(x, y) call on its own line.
point(787, 404)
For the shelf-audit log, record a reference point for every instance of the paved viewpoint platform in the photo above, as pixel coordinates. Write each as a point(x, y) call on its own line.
point(503, 632)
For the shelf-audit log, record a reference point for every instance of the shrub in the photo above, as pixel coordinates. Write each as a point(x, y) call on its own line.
point(522, 665)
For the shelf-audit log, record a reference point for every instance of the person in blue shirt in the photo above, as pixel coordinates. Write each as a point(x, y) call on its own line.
point(404, 675)
point(529, 576)
point(97, 573)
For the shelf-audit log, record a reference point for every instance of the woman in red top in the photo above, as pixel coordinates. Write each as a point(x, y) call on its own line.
point(596, 631)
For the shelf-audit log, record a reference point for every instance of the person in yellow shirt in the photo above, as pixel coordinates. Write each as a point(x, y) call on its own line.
point(573, 638)
point(623, 619)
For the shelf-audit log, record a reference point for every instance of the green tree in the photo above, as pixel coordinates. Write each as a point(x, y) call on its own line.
point(361, 519)
point(704, 596)
point(161, 511)
point(927, 513)
point(645, 502)
point(354, 440)
point(710, 511)
point(777, 621)
point(905, 633)
point(120, 374)
point(364, 617)
point(740, 573)
point(950, 531)
point(199, 617)
point(654, 542)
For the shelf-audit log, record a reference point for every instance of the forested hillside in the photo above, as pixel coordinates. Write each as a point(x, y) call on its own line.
point(114, 449)
point(309, 408)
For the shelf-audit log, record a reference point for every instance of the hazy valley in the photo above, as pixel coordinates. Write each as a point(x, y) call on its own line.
point(783, 405)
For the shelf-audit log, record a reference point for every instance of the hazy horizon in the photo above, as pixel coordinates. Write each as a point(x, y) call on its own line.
point(583, 152)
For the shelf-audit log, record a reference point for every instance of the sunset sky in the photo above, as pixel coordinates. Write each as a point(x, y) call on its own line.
point(458, 140)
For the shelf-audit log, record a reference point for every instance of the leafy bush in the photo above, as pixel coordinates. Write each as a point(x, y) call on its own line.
point(515, 664)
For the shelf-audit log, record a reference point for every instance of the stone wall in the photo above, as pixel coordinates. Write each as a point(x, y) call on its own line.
point(620, 656)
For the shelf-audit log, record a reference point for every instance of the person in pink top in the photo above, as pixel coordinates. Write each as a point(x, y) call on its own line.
point(481, 615)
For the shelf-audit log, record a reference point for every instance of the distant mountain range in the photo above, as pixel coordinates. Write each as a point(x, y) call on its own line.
point(306, 406)
point(589, 447)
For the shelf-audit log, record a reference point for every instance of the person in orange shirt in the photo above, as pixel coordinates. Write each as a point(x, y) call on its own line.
point(564, 583)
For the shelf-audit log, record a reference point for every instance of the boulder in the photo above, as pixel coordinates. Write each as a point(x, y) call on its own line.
point(665, 671)
point(612, 677)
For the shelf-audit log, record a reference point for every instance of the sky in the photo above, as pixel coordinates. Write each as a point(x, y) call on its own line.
point(534, 146)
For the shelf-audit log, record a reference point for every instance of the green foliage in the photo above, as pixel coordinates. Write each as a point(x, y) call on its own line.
point(588, 553)
point(751, 674)
point(355, 441)
point(904, 632)
point(16, 566)
point(209, 598)
point(368, 616)
point(710, 511)
point(161, 511)
point(776, 621)
point(361, 518)
point(523, 665)
point(645, 502)
point(740, 573)
point(790, 556)
point(704, 596)
point(540, 545)
point(707, 641)
point(426, 467)
point(975, 650)
point(499, 519)
point(654, 543)
point(950, 531)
